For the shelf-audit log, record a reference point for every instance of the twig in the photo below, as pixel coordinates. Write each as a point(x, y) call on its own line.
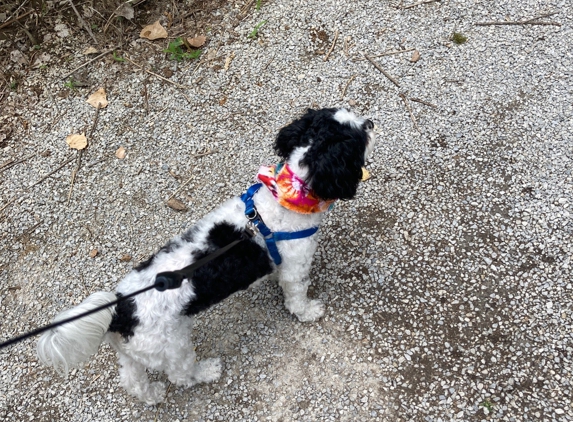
point(155, 74)
point(245, 10)
point(409, 6)
point(346, 45)
point(545, 15)
point(405, 99)
point(159, 405)
point(388, 53)
point(152, 117)
point(83, 22)
point(79, 156)
point(146, 98)
point(332, 46)
point(52, 172)
point(11, 21)
point(377, 66)
point(423, 102)
point(8, 203)
point(88, 62)
point(532, 21)
point(11, 164)
point(346, 86)
point(191, 178)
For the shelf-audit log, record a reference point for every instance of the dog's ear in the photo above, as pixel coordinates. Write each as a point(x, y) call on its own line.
point(294, 135)
point(335, 167)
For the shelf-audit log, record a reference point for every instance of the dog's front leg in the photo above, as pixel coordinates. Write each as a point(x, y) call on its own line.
point(294, 280)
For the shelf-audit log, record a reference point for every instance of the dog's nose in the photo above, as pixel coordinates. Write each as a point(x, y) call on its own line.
point(368, 125)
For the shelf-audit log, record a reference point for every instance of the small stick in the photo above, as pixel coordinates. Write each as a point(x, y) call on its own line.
point(11, 21)
point(13, 163)
point(529, 22)
point(377, 66)
point(388, 53)
point(409, 6)
point(152, 117)
point(79, 156)
point(332, 46)
point(88, 62)
point(346, 86)
point(146, 98)
point(532, 21)
point(52, 172)
point(83, 22)
point(346, 45)
point(191, 178)
point(159, 405)
point(423, 102)
point(156, 75)
point(405, 99)
point(8, 203)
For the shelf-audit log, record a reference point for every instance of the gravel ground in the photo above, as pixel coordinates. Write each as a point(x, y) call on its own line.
point(447, 281)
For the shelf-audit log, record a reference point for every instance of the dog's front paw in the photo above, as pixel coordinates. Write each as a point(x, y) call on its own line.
point(312, 311)
point(155, 393)
point(208, 370)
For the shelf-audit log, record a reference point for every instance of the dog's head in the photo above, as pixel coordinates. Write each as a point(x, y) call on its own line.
point(327, 148)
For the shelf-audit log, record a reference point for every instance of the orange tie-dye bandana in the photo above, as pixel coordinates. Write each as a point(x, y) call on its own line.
point(290, 191)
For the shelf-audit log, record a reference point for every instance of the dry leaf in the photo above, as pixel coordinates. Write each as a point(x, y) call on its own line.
point(120, 153)
point(126, 11)
point(153, 32)
point(228, 60)
point(98, 99)
point(93, 253)
point(77, 141)
point(125, 258)
point(176, 204)
point(415, 56)
point(197, 42)
point(365, 174)
point(90, 50)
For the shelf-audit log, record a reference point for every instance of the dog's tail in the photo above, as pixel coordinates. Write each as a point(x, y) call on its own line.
point(73, 343)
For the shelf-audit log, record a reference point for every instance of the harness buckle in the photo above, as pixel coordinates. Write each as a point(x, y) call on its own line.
point(252, 215)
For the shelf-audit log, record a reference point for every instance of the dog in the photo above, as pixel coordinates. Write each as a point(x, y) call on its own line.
point(323, 153)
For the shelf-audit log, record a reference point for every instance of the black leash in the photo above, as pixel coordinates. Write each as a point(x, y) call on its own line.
point(163, 281)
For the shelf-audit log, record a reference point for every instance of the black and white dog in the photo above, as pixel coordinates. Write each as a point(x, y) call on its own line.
point(323, 153)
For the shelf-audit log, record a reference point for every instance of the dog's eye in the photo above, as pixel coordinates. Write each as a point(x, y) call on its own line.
point(368, 125)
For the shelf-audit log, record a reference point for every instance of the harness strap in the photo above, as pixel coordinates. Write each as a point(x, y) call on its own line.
point(271, 238)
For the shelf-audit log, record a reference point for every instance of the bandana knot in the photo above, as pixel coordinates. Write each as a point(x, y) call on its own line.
point(291, 191)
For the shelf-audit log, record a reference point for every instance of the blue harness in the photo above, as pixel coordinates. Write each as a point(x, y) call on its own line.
point(271, 238)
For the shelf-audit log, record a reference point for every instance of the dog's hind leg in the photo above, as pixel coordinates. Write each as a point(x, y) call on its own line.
point(184, 370)
point(133, 377)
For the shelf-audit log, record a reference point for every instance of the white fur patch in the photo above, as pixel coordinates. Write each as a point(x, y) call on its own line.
point(343, 116)
point(294, 162)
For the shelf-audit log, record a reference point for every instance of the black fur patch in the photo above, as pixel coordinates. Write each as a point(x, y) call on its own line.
point(143, 265)
point(336, 156)
point(124, 320)
point(235, 270)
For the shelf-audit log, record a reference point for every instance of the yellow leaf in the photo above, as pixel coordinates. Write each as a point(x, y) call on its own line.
point(120, 153)
point(98, 99)
point(77, 141)
point(90, 50)
point(153, 32)
point(176, 204)
point(365, 174)
point(197, 42)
